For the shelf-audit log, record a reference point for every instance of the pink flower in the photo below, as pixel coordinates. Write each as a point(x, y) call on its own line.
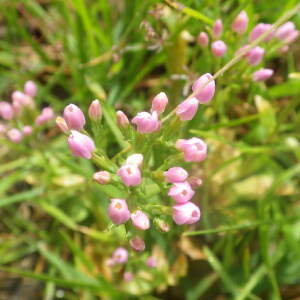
point(74, 117)
point(162, 225)
point(255, 55)
point(118, 211)
point(21, 99)
point(151, 262)
point(15, 135)
point(292, 37)
point(30, 88)
point(203, 39)
point(206, 93)
point(146, 123)
point(122, 120)
point(120, 256)
point(140, 220)
point(27, 130)
point(159, 103)
point(127, 276)
point(6, 110)
point(194, 149)
point(284, 30)
point(61, 123)
point(48, 113)
point(109, 262)
point(240, 23)
point(181, 192)
point(176, 174)
point(262, 74)
point(258, 30)
point(102, 177)
point(186, 213)
point(194, 182)
point(81, 145)
point(187, 109)
point(95, 111)
point(218, 48)
point(130, 174)
point(137, 244)
point(135, 159)
point(217, 29)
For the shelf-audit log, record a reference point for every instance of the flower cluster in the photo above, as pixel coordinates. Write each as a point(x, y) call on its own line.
point(21, 116)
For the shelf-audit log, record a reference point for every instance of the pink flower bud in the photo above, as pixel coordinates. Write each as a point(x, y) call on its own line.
point(122, 120)
point(258, 30)
point(137, 244)
point(262, 74)
point(109, 262)
point(30, 88)
point(243, 48)
point(194, 182)
point(40, 120)
point(218, 48)
point(186, 213)
point(162, 225)
point(159, 103)
point(181, 192)
point(292, 37)
point(283, 49)
point(146, 123)
point(151, 262)
point(61, 123)
point(27, 130)
point(176, 174)
point(74, 117)
point(2, 128)
point(194, 149)
point(240, 24)
point(217, 29)
point(102, 177)
point(81, 145)
point(130, 174)
point(15, 135)
point(118, 211)
point(255, 55)
point(203, 39)
point(120, 256)
point(48, 114)
point(284, 30)
point(135, 159)
point(206, 93)
point(6, 110)
point(187, 109)
point(127, 276)
point(140, 220)
point(18, 97)
point(21, 99)
point(95, 111)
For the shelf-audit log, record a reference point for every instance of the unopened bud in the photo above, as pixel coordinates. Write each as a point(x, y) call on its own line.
point(95, 111)
point(61, 123)
point(137, 244)
point(162, 225)
point(122, 120)
point(102, 177)
point(194, 182)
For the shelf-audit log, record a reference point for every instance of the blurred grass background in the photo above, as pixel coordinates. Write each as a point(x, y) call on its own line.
point(247, 244)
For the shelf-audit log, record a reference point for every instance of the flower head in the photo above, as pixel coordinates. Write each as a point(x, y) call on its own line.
point(130, 174)
point(81, 145)
point(146, 123)
point(206, 93)
point(186, 213)
point(194, 149)
point(118, 211)
point(74, 117)
point(181, 192)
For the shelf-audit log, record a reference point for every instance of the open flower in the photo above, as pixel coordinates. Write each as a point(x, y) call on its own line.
point(130, 174)
point(186, 213)
point(118, 211)
point(194, 149)
point(146, 123)
point(181, 192)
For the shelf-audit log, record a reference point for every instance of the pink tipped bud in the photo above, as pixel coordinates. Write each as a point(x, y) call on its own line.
point(74, 117)
point(284, 30)
point(109, 262)
point(30, 88)
point(159, 103)
point(127, 276)
point(258, 30)
point(146, 123)
point(176, 174)
point(151, 262)
point(120, 256)
point(187, 109)
point(137, 244)
point(203, 39)
point(2, 128)
point(122, 120)
point(6, 110)
point(22, 99)
point(95, 111)
point(140, 220)
point(255, 55)
point(81, 145)
point(15, 135)
point(240, 24)
point(217, 29)
point(187, 213)
point(262, 74)
point(118, 211)
point(48, 114)
point(181, 192)
point(218, 48)
point(61, 123)
point(194, 182)
point(292, 37)
point(27, 130)
point(102, 177)
point(135, 159)
point(162, 225)
point(206, 93)
point(40, 120)
point(130, 175)
point(283, 49)
point(194, 149)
